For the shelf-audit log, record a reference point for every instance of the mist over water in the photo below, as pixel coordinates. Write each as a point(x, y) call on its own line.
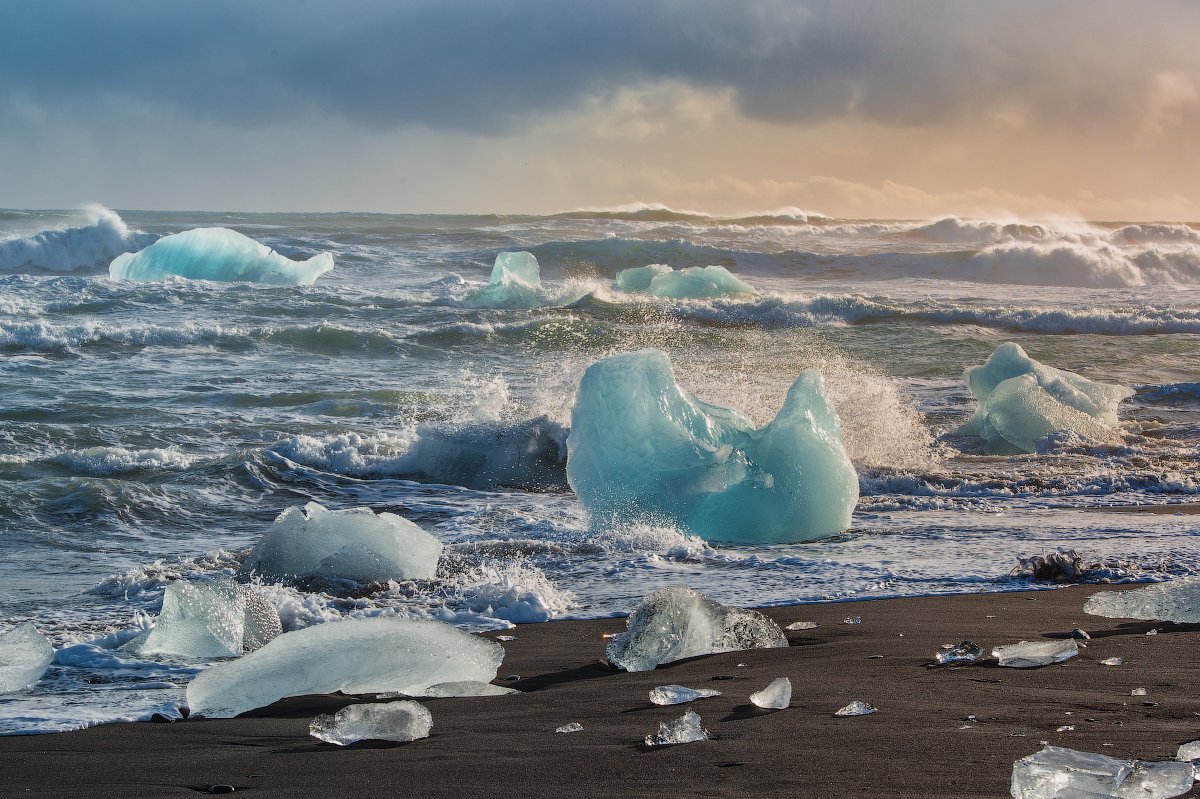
point(154, 430)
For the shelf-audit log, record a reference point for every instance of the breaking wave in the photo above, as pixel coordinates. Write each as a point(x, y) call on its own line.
point(86, 248)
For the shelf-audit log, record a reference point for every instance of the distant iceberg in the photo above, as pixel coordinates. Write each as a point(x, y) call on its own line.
point(516, 282)
point(220, 254)
point(641, 447)
point(1022, 401)
point(692, 282)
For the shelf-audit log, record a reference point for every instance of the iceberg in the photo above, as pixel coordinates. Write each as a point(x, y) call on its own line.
point(683, 730)
point(691, 283)
point(776, 696)
point(217, 253)
point(515, 282)
point(641, 447)
point(1065, 773)
point(676, 622)
point(357, 656)
point(1021, 401)
point(1177, 601)
point(354, 544)
point(209, 620)
point(678, 695)
point(394, 721)
point(25, 654)
point(1032, 654)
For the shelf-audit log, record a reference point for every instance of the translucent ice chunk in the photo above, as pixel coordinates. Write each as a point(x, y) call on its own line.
point(857, 708)
point(1116, 661)
point(1066, 773)
point(683, 730)
point(676, 622)
point(515, 282)
point(639, 278)
point(1021, 401)
point(391, 721)
point(468, 688)
point(1031, 654)
point(1138, 692)
point(1177, 601)
point(1189, 752)
point(358, 656)
point(217, 253)
point(802, 625)
point(678, 695)
point(775, 696)
point(354, 544)
point(641, 447)
point(25, 654)
point(215, 618)
point(571, 726)
point(963, 652)
point(693, 282)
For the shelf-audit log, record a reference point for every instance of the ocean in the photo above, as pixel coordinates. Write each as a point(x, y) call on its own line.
point(153, 431)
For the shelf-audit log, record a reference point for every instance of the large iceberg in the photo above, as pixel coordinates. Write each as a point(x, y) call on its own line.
point(1021, 401)
point(217, 253)
point(1068, 774)
point(1177, 601)
point(354, 544)
point(641, 447)
point(676, 622)
point(393, 721)
point(693, 282)
point(515, 282)
point(357, 656)
point(25, 654)
point(210, 619)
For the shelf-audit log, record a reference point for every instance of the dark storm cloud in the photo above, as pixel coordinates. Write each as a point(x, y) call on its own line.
point(484, 66)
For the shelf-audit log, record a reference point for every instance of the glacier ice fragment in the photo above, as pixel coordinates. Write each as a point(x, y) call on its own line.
point(1138, 692)
point(515, 282)
point(693, 282)
point(1177, 601)
point(963, 652)
point(683, 730)
point(856, 708)
point(775, 696)
point(209, 619)
point(570, 726)
point(217, 253)
point(1031, 654)
point(1189, 752)
point(678, 694)
point(25, 654)
point(1115, 661)
point(356, 656)
point(1068, 774)
point(641, 447)
point(353, 544)
point(1021, 401)
point(391, 721)
point(802, 625)
point(467, 688)
point(676, 622)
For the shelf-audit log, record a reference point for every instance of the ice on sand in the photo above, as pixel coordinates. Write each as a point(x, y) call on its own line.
point(802, 625)
point(1189, 751)
point(25, 654)
point(515, 282)
point(693, 282)
point(1021, 401)
point(676, 622)
point(678, 694)
point(1031, 654)
point(217, 253)
point(1177, 601)
point(357, 656)
point(354, 544)
point(571, 726)
point(775, 696)
point(683, 730)
point(1068, 774)
point(215, 618)
point(467, 688)
point(856, 708)
point(641, 447)
point(963, 652)
point(392, 721)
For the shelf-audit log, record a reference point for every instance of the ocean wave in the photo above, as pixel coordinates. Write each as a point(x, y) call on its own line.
point(105, 461)
point(88, 247)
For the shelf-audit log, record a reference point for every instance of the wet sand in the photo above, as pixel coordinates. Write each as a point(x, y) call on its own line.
point(921, 743)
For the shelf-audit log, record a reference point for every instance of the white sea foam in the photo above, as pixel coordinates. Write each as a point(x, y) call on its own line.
point(87, 247)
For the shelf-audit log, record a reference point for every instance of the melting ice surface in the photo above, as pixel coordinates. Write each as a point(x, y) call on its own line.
point(357, 656)
point(219, 254)
point(856, 708)
point(676, 622)
point(1059, 772)
point(683, 730)
point(353, 544)
point(465, 688)
point(963, 652)
point(1177, 601)
point(1022, 401)
point(515, 282)
point(641, 447)
point(24, 656)
point(775, 696)
point(209, 619)
point(693, 282)
point(391, 721)
point(678, 694)
point(1031, 654)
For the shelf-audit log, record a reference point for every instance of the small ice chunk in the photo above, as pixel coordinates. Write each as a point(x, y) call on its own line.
point(393, 721)
point(571, 726)
point(467, 688)
point(1176, 600)
point(852, 620)
point(775, 696)
point(676, 622)
point(678, 695)
point(1081, 634)
point(1066, 728)
point(1189, 752)
point(25, 654)
point(683, 730)
point(353, 544)
point(217, 253)
point(506, 638)
point(209, 619)
point(1031, 654)
point(1138, 692)
point(356, 656)
point(515, 282)
point(1116, 661)
point(963, 652)
point(857, 708)
point(802, 625)
point(1068, 774)
point(693, 282)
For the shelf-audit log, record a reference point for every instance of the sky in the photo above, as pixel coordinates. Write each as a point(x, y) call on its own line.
point(893, 108)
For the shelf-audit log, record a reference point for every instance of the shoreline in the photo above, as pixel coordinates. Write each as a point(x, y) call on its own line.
point(921, 742)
